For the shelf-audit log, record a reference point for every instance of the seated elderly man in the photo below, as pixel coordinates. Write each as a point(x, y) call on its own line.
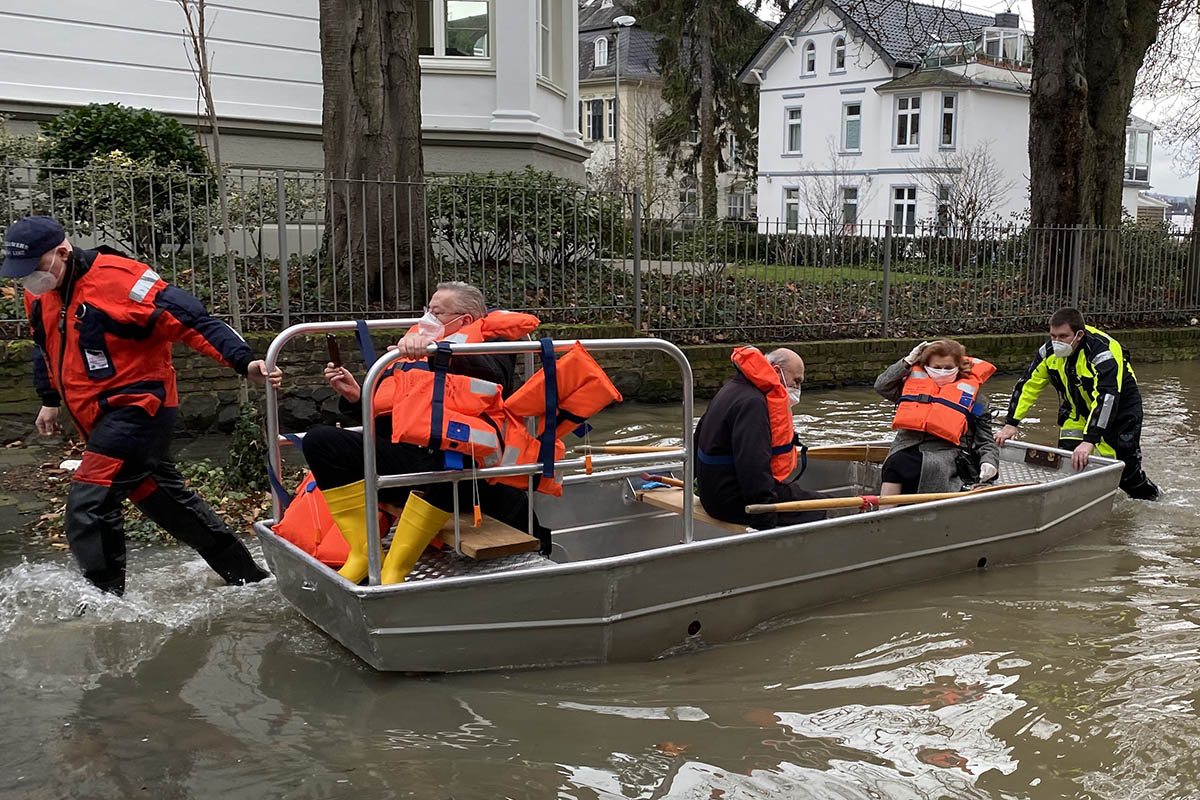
point(745, 442)
point(456, 313)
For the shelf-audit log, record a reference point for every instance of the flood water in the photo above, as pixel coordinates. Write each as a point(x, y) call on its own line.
point(1075, 675)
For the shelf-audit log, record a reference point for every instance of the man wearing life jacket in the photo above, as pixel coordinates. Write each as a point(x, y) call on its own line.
point(456, 312)
point(103, 326)
point(746, 444)
point(943, 429)
point(1100, 407)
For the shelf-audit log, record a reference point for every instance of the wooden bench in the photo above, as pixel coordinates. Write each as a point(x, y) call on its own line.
point(671, 499)
point(492, 539)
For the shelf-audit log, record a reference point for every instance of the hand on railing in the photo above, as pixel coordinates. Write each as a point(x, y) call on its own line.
point(1005, 433)
point(256, 371)
point(342, 382)
point(413, 345)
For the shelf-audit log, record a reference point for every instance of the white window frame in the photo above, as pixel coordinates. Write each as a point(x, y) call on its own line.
point(942, 215)
point(791, 200)
point(599, 52)
point(809, 51)
point(689, 197)
point(788, 124)
point(846, 119)
point(903, 118)
point(839, 49)
point(1132, 164)
point(736, 193)
point(849, 225)
point(999, 36)
point(952, 113)
point(438, 20)
point(590, 105)
point(550, 38)
point(610, 119)
point(693, 135)
point(907, 224)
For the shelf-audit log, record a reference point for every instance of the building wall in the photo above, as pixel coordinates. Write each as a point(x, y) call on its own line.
point(266, 77)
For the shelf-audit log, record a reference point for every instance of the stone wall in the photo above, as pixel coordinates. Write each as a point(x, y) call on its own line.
point(208, 392)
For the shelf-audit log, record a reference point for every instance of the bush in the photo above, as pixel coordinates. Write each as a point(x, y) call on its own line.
point(78, 135)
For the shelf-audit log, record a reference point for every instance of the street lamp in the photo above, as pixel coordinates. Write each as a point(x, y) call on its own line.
point(623, 21)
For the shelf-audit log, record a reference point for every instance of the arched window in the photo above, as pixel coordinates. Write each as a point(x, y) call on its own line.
point(839, 54)
point(810, 58)
point(600, 52)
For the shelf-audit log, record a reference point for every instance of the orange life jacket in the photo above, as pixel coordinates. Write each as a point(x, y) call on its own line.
point(308, 524)
point(943, 410)
point(753, 364)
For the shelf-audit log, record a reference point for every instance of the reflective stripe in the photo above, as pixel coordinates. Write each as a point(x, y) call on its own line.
point(485, 388)
point(484, 438)
point(1044, 351)
point(1106, 410)
point(456, 338)
point(143, 286)
point(917, 372)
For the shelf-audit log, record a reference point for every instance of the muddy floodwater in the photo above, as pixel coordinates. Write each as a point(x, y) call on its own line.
point(1074, 675)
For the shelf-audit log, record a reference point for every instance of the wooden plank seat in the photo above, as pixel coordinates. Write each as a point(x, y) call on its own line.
point(671, 499)
point(492, 539)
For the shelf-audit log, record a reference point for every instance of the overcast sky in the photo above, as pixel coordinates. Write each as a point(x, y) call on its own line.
point(1168, 174)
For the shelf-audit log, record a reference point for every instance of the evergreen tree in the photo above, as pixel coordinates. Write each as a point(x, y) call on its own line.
point(701, 45)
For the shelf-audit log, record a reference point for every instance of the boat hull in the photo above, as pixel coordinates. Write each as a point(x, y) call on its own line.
point(632, 591)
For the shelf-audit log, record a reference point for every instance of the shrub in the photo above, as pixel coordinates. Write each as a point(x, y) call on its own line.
point(78, 135)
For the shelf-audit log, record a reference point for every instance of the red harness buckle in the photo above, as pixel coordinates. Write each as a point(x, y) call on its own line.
point(870, 502)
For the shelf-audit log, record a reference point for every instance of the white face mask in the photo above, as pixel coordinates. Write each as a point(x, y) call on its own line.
point(942, 375)
point(1061, 349)
point(39, 282)
point(793, 395)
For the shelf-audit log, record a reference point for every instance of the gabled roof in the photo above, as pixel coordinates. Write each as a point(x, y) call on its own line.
point(923, 78)
point(638, 59)
point(898, 31)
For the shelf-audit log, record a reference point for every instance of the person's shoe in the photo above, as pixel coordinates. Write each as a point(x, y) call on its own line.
point(1146, 490)
point(348, 507)
point(235, 564)
point(113, 584)
point(416, 528)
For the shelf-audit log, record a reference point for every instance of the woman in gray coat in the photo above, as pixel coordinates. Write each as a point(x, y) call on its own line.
point(920, 461)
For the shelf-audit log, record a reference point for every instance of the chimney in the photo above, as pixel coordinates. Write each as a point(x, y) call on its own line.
point(1008, 20)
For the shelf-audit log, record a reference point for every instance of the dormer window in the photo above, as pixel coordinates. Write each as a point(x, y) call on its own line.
point(839, 54)
point(1007, 46)
point(600, 52)
point(810, 58)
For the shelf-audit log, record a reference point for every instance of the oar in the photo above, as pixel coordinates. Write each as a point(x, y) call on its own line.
point(862, 452)
point(866, 501)
point(667, 479)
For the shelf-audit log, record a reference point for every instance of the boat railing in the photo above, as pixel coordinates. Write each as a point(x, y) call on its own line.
point(600, 467)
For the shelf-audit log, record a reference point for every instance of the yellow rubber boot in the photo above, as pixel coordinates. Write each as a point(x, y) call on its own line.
point(419, 523)
point(348, 507)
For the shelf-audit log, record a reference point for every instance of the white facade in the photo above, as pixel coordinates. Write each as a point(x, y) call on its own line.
point(825, 82)
point(498, 89)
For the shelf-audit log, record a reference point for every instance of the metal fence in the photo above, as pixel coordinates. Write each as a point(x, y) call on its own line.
point(365, 247)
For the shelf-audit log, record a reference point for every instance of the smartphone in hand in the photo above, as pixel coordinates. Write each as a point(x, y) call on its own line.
point(335, 352)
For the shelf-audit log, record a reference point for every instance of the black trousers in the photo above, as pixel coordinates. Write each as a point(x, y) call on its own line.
point(1125, 438)
point(335, 457)
point(127, 457)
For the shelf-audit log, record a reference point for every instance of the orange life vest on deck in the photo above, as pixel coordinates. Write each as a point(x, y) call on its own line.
point(943, 410)
point(308, 524)
point(435, 408)
point(753, 364)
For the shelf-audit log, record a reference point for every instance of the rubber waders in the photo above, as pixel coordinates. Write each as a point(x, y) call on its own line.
point(348, 507)
point(419, 523)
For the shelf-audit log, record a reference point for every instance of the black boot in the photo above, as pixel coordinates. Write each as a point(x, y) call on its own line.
point(113, 583)
point(1145, 489)
point(235, 565)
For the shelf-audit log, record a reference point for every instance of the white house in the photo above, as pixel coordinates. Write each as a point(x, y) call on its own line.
point(642, 166)
point(498, 86)
point(870, 109)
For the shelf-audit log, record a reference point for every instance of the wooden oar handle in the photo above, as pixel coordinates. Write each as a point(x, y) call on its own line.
point(667, 479)
point(868, 501)
point(624, 449)
point(873, 453)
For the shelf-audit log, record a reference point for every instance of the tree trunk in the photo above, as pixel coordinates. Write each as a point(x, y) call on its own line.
point(1086, 57)
point(371, 120)
point(708, 128)
point(1191, 281)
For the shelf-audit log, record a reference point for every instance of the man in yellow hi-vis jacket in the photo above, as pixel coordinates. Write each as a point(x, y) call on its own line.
point(1100, 408)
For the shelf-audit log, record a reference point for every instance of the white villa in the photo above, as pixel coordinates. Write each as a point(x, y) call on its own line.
point(498, 85)
point(870, 106)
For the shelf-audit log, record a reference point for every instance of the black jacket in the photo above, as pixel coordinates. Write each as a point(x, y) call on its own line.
point(736, 425)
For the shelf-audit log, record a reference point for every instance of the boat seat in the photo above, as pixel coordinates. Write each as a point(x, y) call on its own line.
point(492, 539)
point(671, 499)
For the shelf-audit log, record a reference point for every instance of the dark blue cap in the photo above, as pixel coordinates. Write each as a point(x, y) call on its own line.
point(26, 241)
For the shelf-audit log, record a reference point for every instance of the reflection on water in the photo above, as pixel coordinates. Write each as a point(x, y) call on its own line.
point(1074, 675)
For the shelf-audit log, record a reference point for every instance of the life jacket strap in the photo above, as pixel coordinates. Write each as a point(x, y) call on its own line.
point(365, 345)
point(713, 461)
point(974, 410)
point(285, 497)
point(549, 430)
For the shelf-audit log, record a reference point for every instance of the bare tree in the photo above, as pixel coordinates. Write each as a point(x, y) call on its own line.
point(822, 189)
point(969, 185)
point(197, 33)
point(644, 167)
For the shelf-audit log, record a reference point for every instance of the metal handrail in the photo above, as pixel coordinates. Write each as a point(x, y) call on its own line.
point(373, 481)
point(286, 335)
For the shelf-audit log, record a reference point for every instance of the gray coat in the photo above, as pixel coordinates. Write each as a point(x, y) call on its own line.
point(939, 472)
